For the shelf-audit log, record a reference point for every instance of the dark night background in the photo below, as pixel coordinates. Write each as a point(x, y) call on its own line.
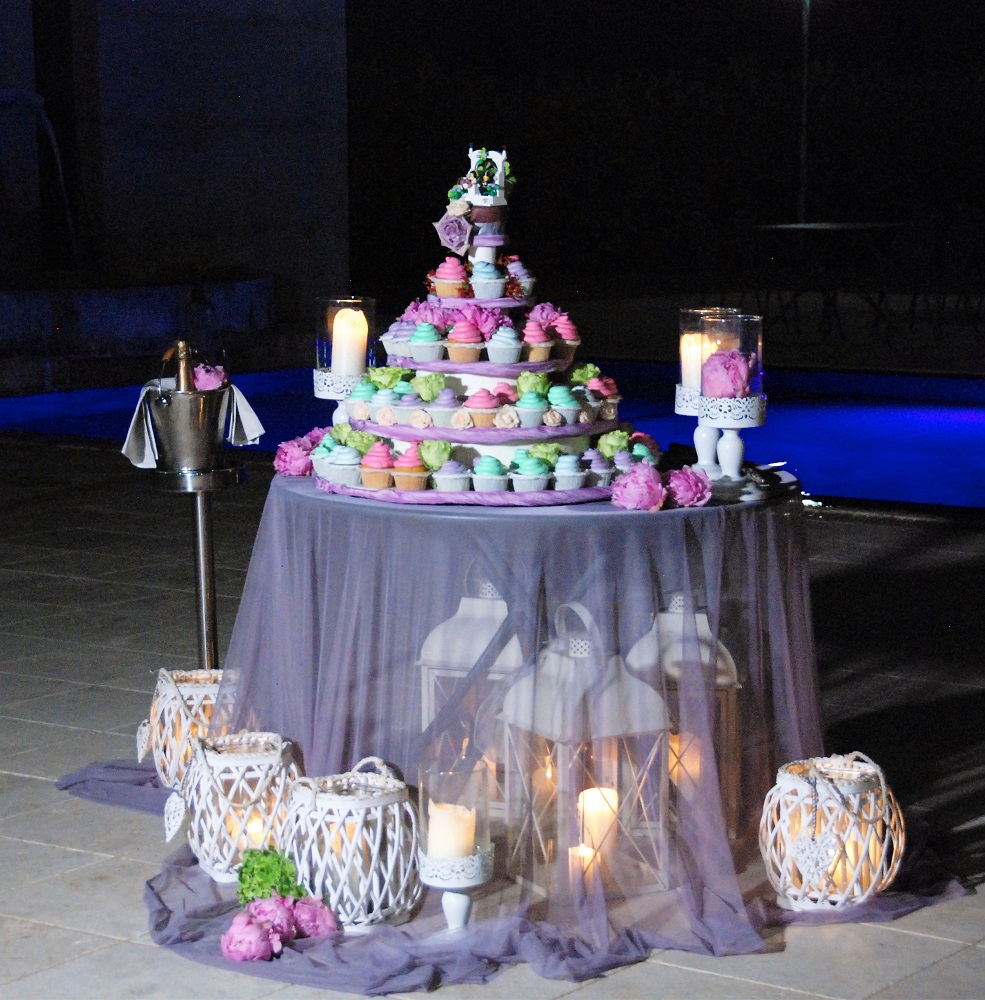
point(647, 139)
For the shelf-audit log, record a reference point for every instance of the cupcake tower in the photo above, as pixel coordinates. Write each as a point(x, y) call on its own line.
point(480, 378)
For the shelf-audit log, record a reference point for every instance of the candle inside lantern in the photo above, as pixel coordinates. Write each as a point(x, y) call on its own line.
point(685, 762)
point(597, 809)
point(350, 332)
point(691, 361)
point(451, 830)
point(249, 834)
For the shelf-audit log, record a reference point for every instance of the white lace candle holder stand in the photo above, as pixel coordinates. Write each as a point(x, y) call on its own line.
point(454, 875)
point(331, 385)
point(717, 434)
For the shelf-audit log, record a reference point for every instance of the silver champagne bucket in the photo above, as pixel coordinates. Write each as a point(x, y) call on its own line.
point(188, 427)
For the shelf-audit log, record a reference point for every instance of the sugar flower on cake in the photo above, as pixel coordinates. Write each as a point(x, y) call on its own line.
point(420, 420)
point(544, 313)
point(206, 377)
point(387, 377)
point(546, 451)
point(609, 444)
point(424, 312)
point(725, 375)
point(461, 420)
point(585, 373)
point(552, 418)
point(458, 206)
point(428, 385)
point(608, 411)
point(434, 454)
point(639, 488)
point(293, 458)
point(385, 416)
point(586, 417)
point(688, 487)
point(533, 382)
point(454, 231)
point(507, 417)
point(359, 410)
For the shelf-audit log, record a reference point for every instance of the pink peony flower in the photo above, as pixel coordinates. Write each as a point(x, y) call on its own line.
point(274, 914)
point(544, 313)
point(293, 458)
point(688, 487)
point(639, 488)
point(725, 375)
point(206, 377)
point(315, 435)
point(246, 941)
point(313, 918)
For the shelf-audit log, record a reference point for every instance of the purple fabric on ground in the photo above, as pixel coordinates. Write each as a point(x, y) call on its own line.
point(118, 783)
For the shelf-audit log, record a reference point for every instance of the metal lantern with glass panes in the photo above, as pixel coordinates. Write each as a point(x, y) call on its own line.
point(587, 773)
point(832, 833)
point(235, 790)
point(447, 657)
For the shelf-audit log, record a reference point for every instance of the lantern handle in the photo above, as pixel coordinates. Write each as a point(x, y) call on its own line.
point(564, 636)
point(817, 774)
point(275, 772)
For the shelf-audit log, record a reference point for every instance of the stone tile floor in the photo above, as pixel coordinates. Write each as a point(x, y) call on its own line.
point(96, 594)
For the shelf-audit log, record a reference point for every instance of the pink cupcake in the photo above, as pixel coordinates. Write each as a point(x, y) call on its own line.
point(465, 342)
point(451, 279)
point(536, 342)
point(377, 467)
point(567, 339)
point(409, 472)
point(483, 407)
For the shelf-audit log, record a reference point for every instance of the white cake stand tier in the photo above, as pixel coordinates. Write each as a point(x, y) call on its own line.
point(717, 434)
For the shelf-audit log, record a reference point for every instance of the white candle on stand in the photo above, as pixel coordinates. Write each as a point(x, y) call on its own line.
point(691, 360)
point(350, 331)
point(451, 830)
point(597, 809)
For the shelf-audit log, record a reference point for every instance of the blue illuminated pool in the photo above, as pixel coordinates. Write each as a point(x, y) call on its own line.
point(873, 437)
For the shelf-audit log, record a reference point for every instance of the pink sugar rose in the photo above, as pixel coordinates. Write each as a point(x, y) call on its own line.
point(273, 913)
point(639, 488)
point(246, 941)
point(313, 918)
point(544, 313)
point(688, 487)
point(206, 377)
point(725, 375)
point(293, 457)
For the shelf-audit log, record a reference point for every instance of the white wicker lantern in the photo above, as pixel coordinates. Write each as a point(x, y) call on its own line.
point(353, 838)
point(588, 767)
point(832, 833)
point(236, 790)
point(180, 714)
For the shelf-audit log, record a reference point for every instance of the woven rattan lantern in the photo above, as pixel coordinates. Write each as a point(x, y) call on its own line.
point(832, 833)
point(588, 766)
point(180, 713)
point(353, 838)
point(235, 790)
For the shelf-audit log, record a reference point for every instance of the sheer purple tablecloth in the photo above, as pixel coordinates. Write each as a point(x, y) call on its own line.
point(338, 645)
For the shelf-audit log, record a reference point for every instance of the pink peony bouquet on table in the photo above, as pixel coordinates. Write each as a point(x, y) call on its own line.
point(293, 457)
point(726, 374)
point(642, 487)
point(260, 933)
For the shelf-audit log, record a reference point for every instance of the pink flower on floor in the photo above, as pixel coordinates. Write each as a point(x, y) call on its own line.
point(206, 377)
point(639, 488)
point(275, 914)
point(293, 457)
point(246, 941)
point(725, 375)
point(688, 487)
point(313, 918)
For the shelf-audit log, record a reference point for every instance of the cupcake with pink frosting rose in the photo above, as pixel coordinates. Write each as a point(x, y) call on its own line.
point(377, 467)
point(537, 341)
point(409, 472)
point(443, 406)
point(483, 406)
point(566, 337)
point(465, 342)
point(503, 347)
point(451, 280)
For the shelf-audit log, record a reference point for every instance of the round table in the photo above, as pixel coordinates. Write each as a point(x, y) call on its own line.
point(407, 632)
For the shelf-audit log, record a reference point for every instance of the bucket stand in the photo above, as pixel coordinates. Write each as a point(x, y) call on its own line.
point(202, 485)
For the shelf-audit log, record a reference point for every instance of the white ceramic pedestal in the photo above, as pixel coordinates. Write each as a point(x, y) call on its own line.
point(706, 438)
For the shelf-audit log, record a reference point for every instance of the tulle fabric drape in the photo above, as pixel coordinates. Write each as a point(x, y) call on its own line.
point(680, 667)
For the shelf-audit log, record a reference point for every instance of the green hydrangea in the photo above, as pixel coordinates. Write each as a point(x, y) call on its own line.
point(362, 441)
point(434, 454)
point(545, 452)
point(265, 872)
point(341, 433)
point(585, 374)
point(387, 378)
point(612, 442)
point(533, 382)
point(428, 386)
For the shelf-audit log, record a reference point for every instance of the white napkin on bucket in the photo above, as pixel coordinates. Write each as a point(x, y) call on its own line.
point(140, 447)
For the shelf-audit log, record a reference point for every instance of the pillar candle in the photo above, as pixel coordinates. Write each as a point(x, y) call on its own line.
point(350, 332)
point(597, 810)
point(451, 830)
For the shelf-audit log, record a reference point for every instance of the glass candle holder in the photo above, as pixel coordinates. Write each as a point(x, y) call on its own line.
point(344, 334)
point(731, 356)
point(692, 343)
